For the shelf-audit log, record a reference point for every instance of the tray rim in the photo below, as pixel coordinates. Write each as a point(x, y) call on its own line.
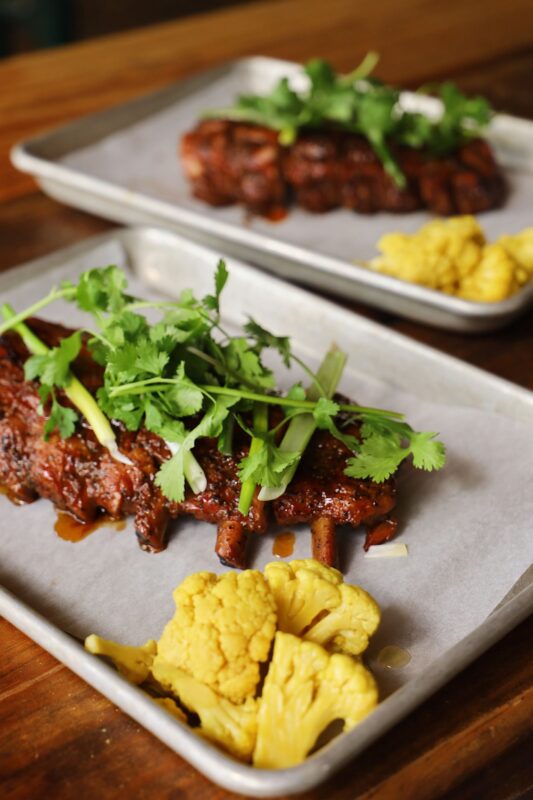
point(217, 766)
point(130, 206)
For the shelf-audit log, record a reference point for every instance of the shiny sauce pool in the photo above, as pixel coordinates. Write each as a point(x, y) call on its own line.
point(283, 544)
point(393, 657)
point(72, 530)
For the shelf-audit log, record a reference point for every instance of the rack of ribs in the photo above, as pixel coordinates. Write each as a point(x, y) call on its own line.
point(230, 162)
point(80, 477)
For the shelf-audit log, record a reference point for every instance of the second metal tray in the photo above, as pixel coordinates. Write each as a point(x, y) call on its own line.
point(122, 164)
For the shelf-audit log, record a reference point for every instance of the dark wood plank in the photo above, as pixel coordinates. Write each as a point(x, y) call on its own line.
point(34, 225)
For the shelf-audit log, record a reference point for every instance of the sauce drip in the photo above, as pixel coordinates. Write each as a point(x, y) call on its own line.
point(393, 657)
point(276, 214)
point(283, 544)
point(10, 496)
point(72, 530)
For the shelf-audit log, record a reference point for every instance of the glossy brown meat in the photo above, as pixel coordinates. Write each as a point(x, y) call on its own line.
point(79, 476)
point(230, 162)
point(321, 490)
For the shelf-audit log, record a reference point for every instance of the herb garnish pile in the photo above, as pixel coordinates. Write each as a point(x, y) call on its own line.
point(362, 104)
point(185, 377)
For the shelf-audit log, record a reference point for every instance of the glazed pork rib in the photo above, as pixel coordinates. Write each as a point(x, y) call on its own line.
point(230, 162)
point(79, 476)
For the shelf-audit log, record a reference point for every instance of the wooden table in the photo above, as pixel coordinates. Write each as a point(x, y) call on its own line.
point(59, 738)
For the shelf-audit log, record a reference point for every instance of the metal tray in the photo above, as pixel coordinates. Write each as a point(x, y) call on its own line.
point(122, 164)
point(32, 595)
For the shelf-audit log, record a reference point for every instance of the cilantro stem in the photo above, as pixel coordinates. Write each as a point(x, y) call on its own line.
point(301, 428)
point(158, 384)
point(313, 375)
point(382, 151)
point(12, 320)
point(260, 424)
point(74, 390)
point(364, 69)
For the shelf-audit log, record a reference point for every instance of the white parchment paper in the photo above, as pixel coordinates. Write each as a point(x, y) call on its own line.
point(468, 528)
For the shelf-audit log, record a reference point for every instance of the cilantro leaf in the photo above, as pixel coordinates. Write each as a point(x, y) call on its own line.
point(62, 418)
point(171, 477)
point(264, 338)
point(184, 397)
point(53, 369)
point(383, 450)
point(150, 358)
point(378, 459)
point(244, 363)
point(266, 466)
point(211, 301)
point(427, 453)
point(296, 392)
point(102, 290)
point(324, 413)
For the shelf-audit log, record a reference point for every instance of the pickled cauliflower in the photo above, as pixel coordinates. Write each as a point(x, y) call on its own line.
point(305, 690)
point(229, 725)
point(314, 602)
point(453, 256)
point(208, 660)
point(132, 662)
point(221, 631)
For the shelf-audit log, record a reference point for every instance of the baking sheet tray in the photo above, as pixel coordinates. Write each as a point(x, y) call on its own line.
point(123, 164)
point(468, 528)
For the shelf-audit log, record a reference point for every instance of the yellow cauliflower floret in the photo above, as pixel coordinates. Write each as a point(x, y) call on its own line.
point(305, 690)
point(459, 239)
point(132, 662)
point(232, 726)
point(404, 258)
point(452, 256)
point(440, 255)
point(494, 278)
point(221, 631)
point(520, 247)
point(313, 602)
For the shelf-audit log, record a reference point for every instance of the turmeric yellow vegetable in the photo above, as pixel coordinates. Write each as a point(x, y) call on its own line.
point(453, 256)
point(314, 602)
point(221, 631)
point(232, 726)
point(210, 654)
point(305, 690)
point(132, 662)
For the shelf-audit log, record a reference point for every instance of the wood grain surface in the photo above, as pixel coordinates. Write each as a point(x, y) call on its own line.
point(58, 737)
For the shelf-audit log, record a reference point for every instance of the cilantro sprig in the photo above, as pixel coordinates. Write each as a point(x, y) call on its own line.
point(361, 104)
point(184, 377)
